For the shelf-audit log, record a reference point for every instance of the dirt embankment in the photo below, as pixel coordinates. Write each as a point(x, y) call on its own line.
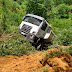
point(34, 63)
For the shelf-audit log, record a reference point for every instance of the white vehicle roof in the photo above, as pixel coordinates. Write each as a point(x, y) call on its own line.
point(38, 17)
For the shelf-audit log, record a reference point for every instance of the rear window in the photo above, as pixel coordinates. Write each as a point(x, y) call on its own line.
point(32, 20)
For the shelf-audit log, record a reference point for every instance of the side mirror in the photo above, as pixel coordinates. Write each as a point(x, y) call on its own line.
point(23, 18)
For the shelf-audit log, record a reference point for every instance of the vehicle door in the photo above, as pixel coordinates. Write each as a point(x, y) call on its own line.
point(42, 30)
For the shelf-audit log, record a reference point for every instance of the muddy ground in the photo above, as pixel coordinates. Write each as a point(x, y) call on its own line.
point(35, 63)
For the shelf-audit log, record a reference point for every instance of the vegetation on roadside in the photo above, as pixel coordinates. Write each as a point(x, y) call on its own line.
point(45, 69)
point(65, 37)
point(57, 13)
point(58, 53)
point(15, 44)
point(68, 50)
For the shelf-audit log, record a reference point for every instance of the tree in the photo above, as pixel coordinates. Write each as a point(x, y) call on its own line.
point(49, 4)
point(69, 2)
point(3, 23)
point(36, 7)
point(63, 10)
point(57, 2)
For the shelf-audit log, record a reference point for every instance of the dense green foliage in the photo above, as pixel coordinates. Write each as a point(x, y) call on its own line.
point(65, 37)
point(65, 52)
point(57, 12)
point(15, 44)
point(68, 50)
point(10, 15)
point(36, 7)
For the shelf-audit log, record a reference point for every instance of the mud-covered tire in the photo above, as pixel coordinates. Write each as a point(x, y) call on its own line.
point(39, 45)
point(42, 45)
point(46, 45)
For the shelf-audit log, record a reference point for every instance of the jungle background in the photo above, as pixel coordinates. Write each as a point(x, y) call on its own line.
point(58, 13)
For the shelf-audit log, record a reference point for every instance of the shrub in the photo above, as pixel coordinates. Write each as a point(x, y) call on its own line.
point(70, 50)
point(1, 31)
point(36, 7)
point(68, 2)
point(3, 24)
point(70, 16)
point(45, 69)
point(52, 54)
point(65, 37)
point(11, 17)
point(15, 45)
point(63, 10)
point(57, 2)
point(59, 24)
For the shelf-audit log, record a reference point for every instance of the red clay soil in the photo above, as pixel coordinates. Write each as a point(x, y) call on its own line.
point(32, 63)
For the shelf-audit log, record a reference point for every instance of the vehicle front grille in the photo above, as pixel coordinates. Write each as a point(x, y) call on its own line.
point(26, 29)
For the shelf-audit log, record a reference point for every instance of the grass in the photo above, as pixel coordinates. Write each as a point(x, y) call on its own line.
point(45, 69)
point(59, 24)
point(64, 37)
point(59, 52)
point(16, 44)
point(11, 13)
point(52, 54)
point(68, 50)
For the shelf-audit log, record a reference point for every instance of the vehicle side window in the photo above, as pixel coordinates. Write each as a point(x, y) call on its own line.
point(49, 30)
point(44, 26)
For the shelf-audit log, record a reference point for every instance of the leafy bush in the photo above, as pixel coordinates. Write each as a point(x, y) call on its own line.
point(15, 45)
point(58, 52)
point(63, 10)
point(45, 69)
point(48, 4)
point(11, 17)
point(12, 11)
point(36, 7)
point(57, 2)
point(65, 37)
point(52, 54)
point(70, 16)
point(70, 50)
point(59, 24)
point(1, 31)
point(69, 2)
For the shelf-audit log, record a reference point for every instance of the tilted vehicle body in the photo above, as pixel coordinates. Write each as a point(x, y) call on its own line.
point(36, 29)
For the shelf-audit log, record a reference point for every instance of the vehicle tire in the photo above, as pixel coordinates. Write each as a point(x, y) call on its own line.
point(39, 45)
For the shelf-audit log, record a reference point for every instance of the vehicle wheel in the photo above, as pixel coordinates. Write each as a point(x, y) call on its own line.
point(40, 45)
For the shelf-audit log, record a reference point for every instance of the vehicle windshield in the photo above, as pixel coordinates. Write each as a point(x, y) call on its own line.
point(32, 20)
